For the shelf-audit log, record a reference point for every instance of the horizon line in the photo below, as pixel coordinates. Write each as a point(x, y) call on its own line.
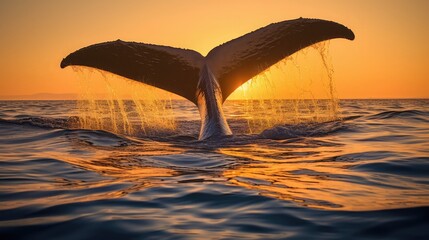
point(240, 99)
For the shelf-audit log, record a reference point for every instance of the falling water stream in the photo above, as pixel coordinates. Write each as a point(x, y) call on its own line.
point(146, 110)
point(143, 111)
point(308, 75)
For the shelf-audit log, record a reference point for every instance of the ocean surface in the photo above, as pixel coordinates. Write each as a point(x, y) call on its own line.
point(363, 177)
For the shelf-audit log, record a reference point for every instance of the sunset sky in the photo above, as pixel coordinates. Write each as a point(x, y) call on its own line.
point(388, 58)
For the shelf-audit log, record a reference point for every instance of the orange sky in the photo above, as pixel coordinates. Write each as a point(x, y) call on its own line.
point(388, 58)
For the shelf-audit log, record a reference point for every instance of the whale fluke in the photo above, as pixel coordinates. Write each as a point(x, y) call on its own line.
point(208, 81)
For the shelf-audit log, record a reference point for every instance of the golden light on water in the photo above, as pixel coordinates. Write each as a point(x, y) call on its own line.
point(116, 168)
point(313, 178)
point(307, 173)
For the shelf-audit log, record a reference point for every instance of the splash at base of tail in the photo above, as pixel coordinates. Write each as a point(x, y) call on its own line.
point(208, 81)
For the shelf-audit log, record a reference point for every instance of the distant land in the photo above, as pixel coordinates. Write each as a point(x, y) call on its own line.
point(41, 96)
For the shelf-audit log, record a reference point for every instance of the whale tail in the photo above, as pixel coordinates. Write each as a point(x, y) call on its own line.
point(225, 68)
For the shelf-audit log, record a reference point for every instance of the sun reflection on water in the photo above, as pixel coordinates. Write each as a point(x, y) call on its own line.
point(316, 174)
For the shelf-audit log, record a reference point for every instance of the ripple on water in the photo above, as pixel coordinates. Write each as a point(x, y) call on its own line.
point(361, 178)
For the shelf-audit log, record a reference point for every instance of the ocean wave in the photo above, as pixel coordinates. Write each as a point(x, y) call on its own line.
point(98, 138)
point(364, 177)
point(302, 130)
point(42, 122)
point(52, 128)
point(221, 212)
point(406, 114)
point(278, 132)
point(413, 167)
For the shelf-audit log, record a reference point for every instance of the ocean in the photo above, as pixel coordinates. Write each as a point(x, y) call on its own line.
point(365, 176)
